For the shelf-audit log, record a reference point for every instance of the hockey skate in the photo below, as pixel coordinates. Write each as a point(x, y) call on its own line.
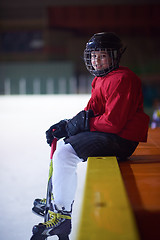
point(59, 224)
point(39, 206)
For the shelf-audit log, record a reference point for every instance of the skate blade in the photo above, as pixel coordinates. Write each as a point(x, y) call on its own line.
point(40, 214)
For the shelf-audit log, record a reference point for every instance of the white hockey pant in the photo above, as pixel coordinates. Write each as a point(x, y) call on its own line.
point(64, 178)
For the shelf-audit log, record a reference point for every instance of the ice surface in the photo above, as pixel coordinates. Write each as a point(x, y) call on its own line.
point(24, 158)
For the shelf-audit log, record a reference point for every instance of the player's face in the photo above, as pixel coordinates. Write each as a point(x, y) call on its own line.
point(100, 60)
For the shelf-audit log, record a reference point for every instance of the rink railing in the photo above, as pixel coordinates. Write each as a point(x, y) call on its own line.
point(22, 86)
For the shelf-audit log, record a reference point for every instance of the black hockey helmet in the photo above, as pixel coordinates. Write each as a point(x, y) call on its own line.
point(107, 42)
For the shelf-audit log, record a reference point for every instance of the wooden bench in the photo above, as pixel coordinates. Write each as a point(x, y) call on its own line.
point(141, 176)
point(122, 201)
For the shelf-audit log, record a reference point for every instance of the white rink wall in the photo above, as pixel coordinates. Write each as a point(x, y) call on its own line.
point(24, 158)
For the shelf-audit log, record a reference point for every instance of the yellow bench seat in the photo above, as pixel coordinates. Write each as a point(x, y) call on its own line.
point(106, 212)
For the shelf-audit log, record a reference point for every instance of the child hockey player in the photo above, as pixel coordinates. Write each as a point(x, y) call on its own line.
point(112, 123)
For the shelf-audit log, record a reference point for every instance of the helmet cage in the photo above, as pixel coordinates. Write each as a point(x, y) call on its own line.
point(113, 60)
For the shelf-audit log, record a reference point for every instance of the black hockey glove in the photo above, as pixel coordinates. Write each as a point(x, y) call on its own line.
point(59, 132)
point(79, 123)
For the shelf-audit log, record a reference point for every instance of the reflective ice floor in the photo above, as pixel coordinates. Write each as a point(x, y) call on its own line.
point(24, 159)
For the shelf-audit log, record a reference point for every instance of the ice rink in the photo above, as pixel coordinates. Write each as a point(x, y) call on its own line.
point(24, 161)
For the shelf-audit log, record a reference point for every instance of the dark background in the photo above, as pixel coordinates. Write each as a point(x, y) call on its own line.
point(37, 33)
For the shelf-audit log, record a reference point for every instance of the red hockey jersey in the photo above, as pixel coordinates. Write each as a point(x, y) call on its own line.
point(117, 102)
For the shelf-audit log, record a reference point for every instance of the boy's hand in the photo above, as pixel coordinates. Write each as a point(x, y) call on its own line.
point(59, 131)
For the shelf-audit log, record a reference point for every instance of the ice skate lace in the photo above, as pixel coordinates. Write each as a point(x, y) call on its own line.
point(55, 218)
point(43, 201)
